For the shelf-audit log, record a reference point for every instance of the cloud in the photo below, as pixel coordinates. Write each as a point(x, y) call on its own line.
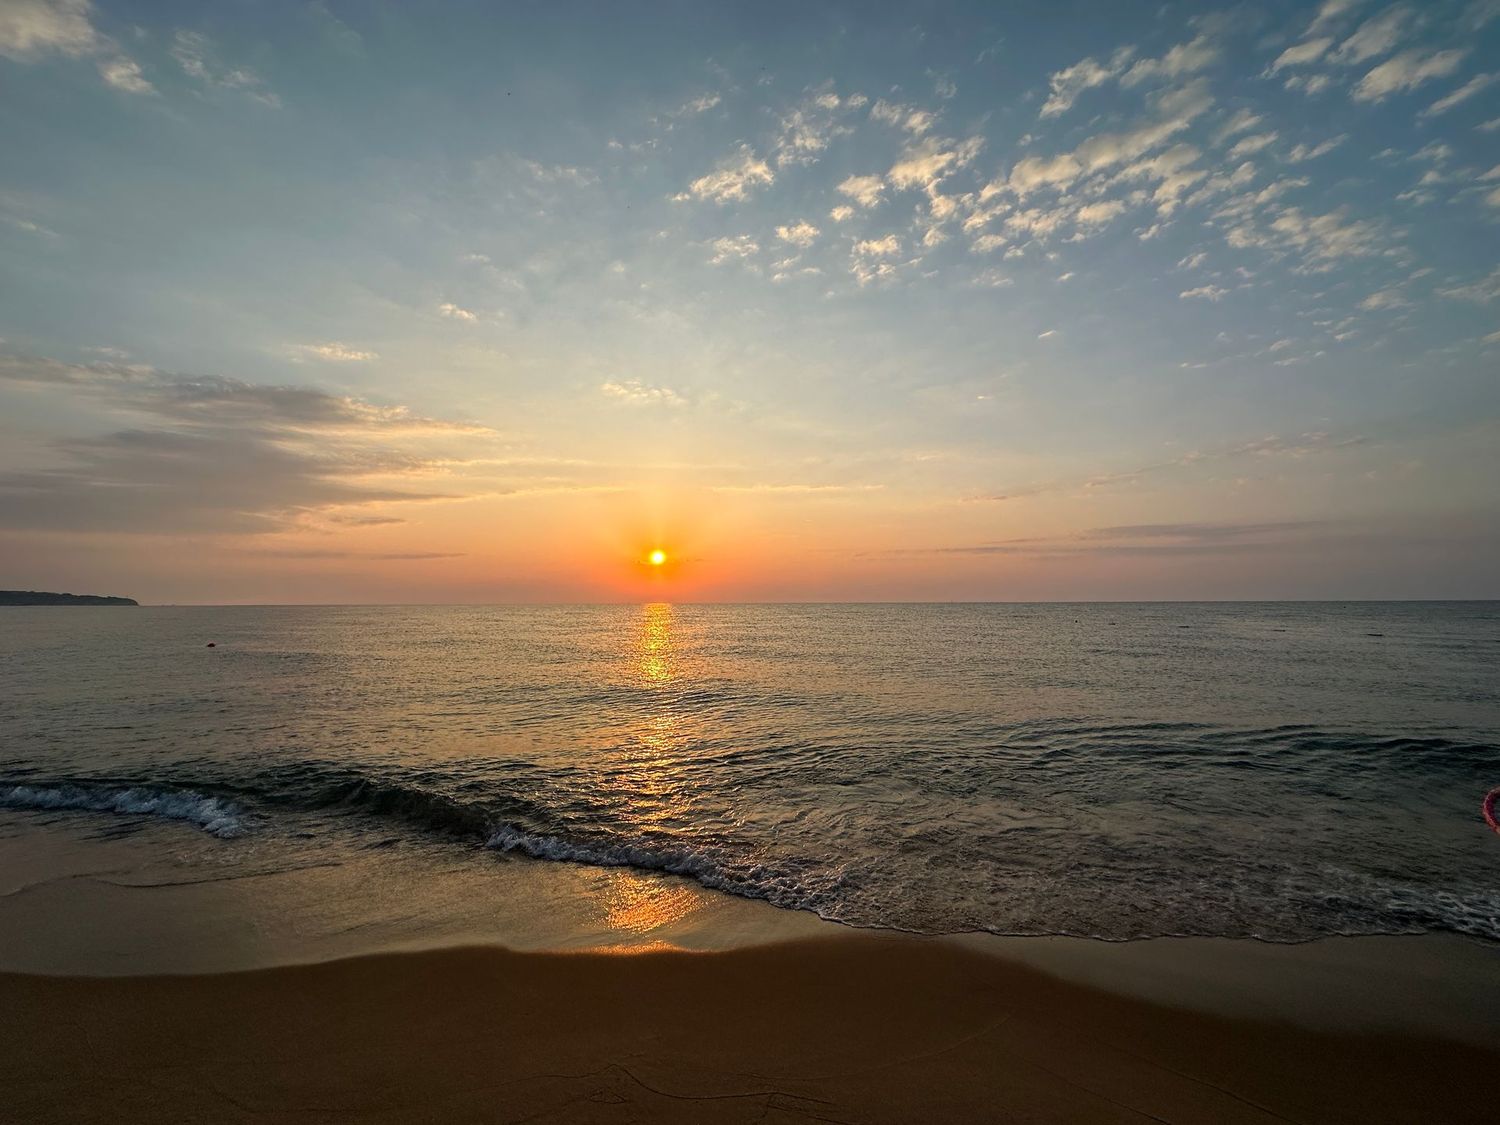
point(1047, 335)
point(1462, 94)
point(1207, 292)
point(454, 312)
point(33, 29)
point(734, 177)
point(864, 190)
point(633, 392)
point(809, 127)
point(909, 118)
point(1183, 59)
point(213, 454)
point(334, 352)
point(1248, 146)
point(801, 234)
point(29, 28)
point(1482, 292)
point(1301, 54)
point(694, 106)
point(1303, 152)
point(196, 55)
point(124, 74)
point(841, 213)
point(1385, 299)
point(1176, 109)
point(1270, 447)
point(733, 247)
point(1082, 545)
point(886, 247)
point(929, 160)
point(1407, 71)
point(1329, 12)
point(1068, 83)
point(1374, 38)
point(1241, 120)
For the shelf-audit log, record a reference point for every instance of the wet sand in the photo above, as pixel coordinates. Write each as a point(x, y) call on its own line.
point(851, 1028)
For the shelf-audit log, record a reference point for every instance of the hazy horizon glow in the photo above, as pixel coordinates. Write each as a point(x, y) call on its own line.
point(362, 302)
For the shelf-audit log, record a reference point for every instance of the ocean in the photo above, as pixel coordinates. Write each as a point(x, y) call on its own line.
point(1118, 771)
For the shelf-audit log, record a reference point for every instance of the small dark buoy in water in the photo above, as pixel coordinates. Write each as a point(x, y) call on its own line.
point(210, 644)
point(1374, 634)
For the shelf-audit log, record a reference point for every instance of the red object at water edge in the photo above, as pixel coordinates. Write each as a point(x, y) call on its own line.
point(1488, 808)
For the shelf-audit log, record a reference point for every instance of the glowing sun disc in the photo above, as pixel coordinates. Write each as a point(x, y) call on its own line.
point(657, 557)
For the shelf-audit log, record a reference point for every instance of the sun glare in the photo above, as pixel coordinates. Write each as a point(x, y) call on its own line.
point(657, 557)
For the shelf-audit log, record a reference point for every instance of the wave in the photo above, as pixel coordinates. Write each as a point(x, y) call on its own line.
point(1011, 835)
point(214, 815)
point(776, 886)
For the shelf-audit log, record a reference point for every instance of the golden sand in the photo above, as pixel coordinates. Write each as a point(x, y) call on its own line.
point(848, 1029)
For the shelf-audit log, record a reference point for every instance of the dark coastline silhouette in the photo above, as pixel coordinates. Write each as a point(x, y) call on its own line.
point(42, 597)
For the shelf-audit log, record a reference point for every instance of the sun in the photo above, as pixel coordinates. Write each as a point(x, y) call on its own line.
point(657, 557)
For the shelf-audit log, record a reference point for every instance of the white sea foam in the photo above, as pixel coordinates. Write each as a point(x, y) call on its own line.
point(748, 880)
point(214, 815)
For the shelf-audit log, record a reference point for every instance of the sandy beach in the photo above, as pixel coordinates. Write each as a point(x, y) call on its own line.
point(849, 1029)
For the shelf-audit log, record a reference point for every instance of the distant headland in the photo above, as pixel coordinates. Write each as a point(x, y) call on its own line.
point(41, 597)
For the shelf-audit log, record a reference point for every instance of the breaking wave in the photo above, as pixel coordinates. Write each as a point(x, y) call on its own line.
point(214, 815)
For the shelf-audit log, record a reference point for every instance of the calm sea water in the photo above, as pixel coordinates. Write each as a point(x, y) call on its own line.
point(1275, 770)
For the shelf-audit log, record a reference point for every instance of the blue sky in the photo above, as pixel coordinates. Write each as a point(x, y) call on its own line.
point(347, 301)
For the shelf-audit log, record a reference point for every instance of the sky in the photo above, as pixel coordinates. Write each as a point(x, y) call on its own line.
point(466, 302)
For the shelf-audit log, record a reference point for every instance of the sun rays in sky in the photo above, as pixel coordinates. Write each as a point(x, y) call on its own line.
point(345, 302)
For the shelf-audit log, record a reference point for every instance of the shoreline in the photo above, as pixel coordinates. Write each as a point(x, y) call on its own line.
point(851, 1027)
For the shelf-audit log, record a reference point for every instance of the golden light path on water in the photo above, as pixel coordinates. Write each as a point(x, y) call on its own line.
point(639, 903)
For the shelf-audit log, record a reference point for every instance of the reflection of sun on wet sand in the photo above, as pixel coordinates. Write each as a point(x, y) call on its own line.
point(847, 1029)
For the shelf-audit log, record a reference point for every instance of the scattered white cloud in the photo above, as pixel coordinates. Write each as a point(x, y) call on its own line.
point(1309, 83)
point(1375, 37)
point(1193, 261)
point(929, 160)
point(913, 120)
point(1303, 152)
point(1482, 291)
point(1207, 292)
point(734, 177)
point(1462, 94)
point(1183, 59)
point(1239, 121)
point(1406, 71)
point(1047, 335)
point(333, 352)
point(1249, 146)
point(633, 392)
point(1300, 54)
point(801, 233)
point(196, 54)
point(33, 29)
point(701, 104)
point(864, 190)
point(886, 247)
point(842, 212)
point(1068, 83)
point(1385, 299)
point(1330, 11)
point(733, 247)
point(454, 312)
point(810, 126)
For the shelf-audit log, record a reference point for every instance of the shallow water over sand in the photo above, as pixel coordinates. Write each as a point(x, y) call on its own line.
point(1118, 771)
